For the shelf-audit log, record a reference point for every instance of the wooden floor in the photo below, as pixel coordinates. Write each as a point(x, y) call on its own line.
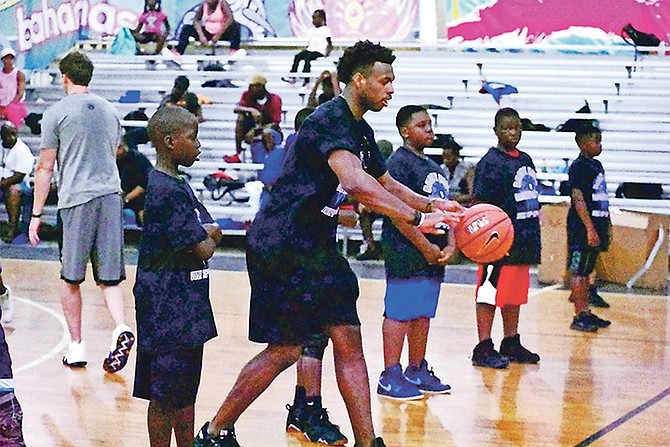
point(608, 389)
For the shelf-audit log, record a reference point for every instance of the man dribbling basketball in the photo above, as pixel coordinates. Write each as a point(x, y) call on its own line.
point(505, 177)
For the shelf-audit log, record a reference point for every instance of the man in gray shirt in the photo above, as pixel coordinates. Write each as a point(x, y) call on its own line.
point(81, 133)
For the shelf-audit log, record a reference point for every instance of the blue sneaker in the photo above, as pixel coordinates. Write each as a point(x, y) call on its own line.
point(426, 379)
point(394, 385)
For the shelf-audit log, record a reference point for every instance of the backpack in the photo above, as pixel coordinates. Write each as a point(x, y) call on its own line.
point(639, 38)
point(124, 43)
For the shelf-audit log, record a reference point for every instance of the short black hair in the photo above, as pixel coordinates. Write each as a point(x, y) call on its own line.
point(8, 129)
point(166, 121)
point(405, 114)
point(585, 132)
point(505, 112)
point(77, 67)
point(322, 13)
point(182, 82)
point(360, 58)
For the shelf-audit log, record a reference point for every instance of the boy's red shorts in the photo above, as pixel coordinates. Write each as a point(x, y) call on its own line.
point(502, 285)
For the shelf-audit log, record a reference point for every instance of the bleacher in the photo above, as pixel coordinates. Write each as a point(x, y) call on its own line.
point(627, 97)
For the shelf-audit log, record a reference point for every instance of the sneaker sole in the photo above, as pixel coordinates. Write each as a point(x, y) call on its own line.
point(430, 392)
point(385, 396)
point(482, 365)
point(589, 329)
point(118, 358)
point(80, 364)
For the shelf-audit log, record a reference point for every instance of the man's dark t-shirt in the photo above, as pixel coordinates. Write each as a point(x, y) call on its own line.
point(301, 213)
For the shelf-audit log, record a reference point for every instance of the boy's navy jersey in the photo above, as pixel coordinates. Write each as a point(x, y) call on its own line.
point(422, 175)
point(171, 291)
point(511, 184)
point(301, 213)
point(588, 176)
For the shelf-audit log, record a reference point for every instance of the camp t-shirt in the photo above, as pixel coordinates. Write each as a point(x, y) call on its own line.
point(301, 213)
point(422, 175)
point(511, 184)
point(588, 176)
point(171, 291)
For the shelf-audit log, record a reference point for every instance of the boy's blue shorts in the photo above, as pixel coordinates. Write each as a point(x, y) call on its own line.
point(409, 299)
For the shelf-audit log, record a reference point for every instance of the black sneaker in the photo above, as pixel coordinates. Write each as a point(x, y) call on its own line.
point(596, 320)
point(318, 428)
point(596, 300)
point(295, 421)
point(378, 442)
point(583, 323)
point(511, 348)
point(225, 439)
point(485, 355)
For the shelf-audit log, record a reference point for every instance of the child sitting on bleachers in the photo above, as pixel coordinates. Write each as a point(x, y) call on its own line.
point(152, 26)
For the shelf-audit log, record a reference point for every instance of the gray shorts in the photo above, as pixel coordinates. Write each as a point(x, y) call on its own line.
point(93, 230)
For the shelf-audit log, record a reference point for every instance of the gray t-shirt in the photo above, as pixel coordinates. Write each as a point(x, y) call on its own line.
point(85, 131)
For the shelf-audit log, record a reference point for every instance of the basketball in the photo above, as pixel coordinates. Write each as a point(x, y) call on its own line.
point(485, 233)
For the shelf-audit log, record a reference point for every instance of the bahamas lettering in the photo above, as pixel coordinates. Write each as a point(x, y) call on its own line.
point(69, 17)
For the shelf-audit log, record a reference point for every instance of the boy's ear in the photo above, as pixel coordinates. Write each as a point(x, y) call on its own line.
point(168, 141)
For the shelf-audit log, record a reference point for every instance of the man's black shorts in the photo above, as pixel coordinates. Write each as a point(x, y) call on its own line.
point(295, 295)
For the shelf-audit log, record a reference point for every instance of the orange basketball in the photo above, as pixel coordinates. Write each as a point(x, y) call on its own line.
point(485, 233)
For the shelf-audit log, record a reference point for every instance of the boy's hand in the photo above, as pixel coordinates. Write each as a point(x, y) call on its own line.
point(592, 237)
point(433, 255)
point(213, 231)
point(446, 255)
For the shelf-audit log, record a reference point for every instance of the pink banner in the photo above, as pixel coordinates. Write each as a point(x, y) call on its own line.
point(534, 20)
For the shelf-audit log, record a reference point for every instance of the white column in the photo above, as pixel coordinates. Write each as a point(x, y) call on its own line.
point(428, 23)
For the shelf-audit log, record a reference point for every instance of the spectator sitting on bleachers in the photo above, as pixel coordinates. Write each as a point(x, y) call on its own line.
point(12, 89)
point(152, 26)
point(461, 174)
point(213, 21)
point(257, 107)
point(180, 96)
point(17, 163)
point(134, 170)
point(319, 45)
point(330, 88)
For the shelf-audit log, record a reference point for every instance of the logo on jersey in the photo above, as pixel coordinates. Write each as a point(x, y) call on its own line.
point(526, 195)
point(600, 197)
point(436, 186)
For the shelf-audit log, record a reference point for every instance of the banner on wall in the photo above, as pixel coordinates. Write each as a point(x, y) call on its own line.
point(41, 29)
point(518, 22)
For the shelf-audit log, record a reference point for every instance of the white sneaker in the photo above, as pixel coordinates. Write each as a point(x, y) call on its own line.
point(7, 305)
point(76, 355)
point(122, 341)
point(237, 54)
